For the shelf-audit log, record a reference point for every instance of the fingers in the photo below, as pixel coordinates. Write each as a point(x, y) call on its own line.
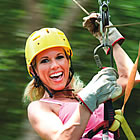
point(91, 22)
point(109, 71)
point(116, 91)
point(92, 15)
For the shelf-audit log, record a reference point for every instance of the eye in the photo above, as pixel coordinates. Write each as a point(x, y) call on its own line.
point(44, 61)
point(60, 57)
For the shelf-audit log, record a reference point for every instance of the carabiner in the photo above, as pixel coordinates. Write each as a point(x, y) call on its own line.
point(97, 58)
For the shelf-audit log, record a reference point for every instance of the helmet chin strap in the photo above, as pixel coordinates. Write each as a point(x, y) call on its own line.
point(40, 83)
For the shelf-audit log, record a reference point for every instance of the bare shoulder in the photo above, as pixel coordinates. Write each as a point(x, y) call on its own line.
point(36, 108)
point(35, 105)
point(40, 115)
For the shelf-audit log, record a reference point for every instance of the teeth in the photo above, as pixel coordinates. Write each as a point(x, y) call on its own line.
point(56, 74)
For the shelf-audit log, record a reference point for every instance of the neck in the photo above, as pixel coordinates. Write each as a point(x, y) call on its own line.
point(61, 94)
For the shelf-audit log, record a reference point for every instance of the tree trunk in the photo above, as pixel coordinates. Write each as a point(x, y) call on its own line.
point(71, 15)
point(27, 132)
point(34, 15)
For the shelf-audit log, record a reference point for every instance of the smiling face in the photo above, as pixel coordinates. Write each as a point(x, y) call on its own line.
point(52, 66)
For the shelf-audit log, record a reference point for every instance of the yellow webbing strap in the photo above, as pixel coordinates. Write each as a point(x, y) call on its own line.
point(120, 121)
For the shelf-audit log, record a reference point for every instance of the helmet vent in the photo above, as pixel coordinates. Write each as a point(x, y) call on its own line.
point(47, 30)
point(60, 33)
point(64, 39)
point(36, 38)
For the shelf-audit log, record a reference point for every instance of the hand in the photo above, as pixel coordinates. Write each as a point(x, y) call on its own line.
point(91, 22)
point(101, 88)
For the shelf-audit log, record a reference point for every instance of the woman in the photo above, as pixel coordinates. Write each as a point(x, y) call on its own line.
point(59, 113)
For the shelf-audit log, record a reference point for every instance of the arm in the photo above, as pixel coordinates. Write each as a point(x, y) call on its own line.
point(124, 66)
point(123, 62)
point(48, 125)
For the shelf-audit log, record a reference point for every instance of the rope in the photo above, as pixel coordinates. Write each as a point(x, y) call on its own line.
point(81, 7)
point(108, 26)
point(121, 25)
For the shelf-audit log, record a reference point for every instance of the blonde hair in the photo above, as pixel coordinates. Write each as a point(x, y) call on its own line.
point(31, 93)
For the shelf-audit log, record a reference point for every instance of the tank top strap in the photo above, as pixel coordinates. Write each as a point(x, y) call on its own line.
point(51, 101)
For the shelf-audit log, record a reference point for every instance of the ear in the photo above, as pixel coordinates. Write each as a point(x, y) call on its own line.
point(31, 70)
point(69, 63)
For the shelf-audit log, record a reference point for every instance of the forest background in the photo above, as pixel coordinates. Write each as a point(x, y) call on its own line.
point(19, 18)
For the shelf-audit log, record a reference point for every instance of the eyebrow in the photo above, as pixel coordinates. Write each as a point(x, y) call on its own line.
point(60, 53)
point(44, 57)
point(48, 57)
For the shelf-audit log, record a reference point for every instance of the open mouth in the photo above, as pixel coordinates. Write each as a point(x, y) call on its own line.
point(56, 76)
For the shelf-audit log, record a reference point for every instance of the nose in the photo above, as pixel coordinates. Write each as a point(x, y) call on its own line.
point(54, 65)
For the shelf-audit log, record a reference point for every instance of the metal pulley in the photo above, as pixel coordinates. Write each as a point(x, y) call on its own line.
point(105, 14)
point(97, 58)
point(104, 21)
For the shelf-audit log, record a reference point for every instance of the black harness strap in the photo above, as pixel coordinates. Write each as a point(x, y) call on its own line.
point(102, 126)
point(39, 82)
point(106, 124)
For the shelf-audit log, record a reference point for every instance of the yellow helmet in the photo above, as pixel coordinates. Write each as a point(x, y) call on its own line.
point(43, 39)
